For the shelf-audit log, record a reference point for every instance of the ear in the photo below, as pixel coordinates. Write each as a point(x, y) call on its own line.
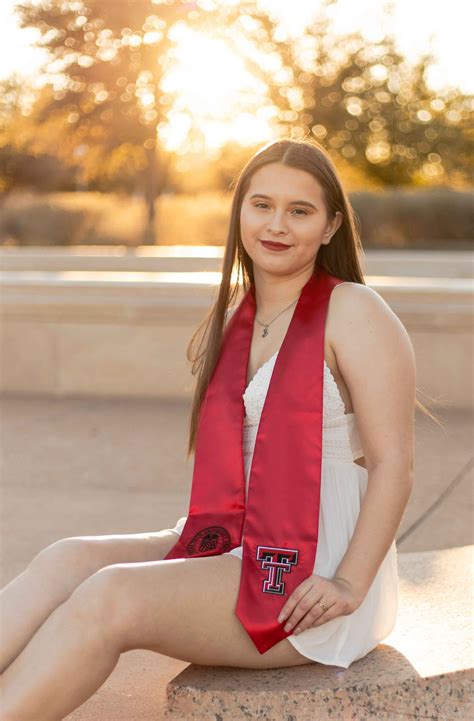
point(334, 226)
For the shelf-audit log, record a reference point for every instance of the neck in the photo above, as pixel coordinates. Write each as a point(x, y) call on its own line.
point(272, 293)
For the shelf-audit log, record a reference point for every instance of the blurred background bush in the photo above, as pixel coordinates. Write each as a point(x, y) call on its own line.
point(437, 218)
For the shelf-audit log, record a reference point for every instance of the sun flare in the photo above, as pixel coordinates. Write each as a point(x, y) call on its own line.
point(218, 99)
point(209, 82)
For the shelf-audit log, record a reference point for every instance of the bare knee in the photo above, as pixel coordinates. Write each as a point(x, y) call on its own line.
point(99, 602)
point(66, 562)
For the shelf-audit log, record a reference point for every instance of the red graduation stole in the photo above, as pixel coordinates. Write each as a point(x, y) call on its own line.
point(280, 520)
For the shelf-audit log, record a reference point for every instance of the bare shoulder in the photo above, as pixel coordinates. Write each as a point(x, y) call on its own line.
point(357, 308)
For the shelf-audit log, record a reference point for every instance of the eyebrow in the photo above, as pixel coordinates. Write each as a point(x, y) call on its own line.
point(293, 202)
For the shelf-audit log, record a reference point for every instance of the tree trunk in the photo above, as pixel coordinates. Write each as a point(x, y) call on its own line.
point(150, 195)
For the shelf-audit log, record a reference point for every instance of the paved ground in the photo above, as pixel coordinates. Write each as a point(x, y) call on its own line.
point(81, 467)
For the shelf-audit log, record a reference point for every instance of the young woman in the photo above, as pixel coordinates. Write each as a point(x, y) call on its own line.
point(83, 601)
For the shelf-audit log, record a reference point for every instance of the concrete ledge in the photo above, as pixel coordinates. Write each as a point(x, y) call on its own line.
point(111, 334)
point(106, 295)
point(422, 670)
point(117, 258)
point(196, 258)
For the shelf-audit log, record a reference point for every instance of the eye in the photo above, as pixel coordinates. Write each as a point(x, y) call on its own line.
point(303, 211)
point(262, 203)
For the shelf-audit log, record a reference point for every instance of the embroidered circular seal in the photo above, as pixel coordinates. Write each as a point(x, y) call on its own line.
point(213, 538)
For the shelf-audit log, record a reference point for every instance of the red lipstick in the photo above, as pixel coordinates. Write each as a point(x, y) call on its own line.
point(274, 246)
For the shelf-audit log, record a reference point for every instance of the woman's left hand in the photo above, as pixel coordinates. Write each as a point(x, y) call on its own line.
point(302, 610)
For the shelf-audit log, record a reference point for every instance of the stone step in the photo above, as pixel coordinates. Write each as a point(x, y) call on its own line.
point(422, 670)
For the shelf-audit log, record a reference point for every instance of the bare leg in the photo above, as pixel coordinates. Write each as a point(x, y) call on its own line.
point(182, 608)
point(65, 662)
point(51, 577)
point(24, 604)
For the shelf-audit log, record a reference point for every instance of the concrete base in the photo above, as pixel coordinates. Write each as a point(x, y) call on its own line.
point(423, 670)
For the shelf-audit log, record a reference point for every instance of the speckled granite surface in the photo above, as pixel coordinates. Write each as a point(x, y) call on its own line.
point(423, 670)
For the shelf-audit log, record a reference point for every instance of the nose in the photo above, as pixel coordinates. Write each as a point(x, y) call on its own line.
point(276, 224)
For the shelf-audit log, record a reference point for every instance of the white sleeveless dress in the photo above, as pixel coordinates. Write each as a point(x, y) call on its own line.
point(344, 639)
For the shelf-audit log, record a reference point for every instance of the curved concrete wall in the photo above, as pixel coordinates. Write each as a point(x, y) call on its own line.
point(105, 333)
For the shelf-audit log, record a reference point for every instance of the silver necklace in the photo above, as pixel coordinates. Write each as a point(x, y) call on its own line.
point(265, 325)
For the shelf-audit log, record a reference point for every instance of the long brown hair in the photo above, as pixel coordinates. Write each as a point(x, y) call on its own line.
point(341, 257)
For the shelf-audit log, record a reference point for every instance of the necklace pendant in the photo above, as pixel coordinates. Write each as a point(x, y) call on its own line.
point(265, 331)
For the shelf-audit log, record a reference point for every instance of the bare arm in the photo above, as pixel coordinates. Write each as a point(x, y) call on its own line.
point(375, 356)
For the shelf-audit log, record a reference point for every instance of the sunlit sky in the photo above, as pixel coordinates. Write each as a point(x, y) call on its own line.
point(417, 25)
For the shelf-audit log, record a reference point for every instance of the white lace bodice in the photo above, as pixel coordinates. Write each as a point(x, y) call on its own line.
point(340, 435)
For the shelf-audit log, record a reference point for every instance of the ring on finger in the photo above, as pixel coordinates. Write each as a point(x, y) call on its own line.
point(323, 606)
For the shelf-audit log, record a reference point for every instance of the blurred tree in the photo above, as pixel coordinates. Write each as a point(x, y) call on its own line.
point(27, 157)
point(106, 64)
point(109, 58)
point(370, 108)
point(366, 104)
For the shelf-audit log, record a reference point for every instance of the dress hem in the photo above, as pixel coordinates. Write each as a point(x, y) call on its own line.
point(325, 661)
point(344, 663)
